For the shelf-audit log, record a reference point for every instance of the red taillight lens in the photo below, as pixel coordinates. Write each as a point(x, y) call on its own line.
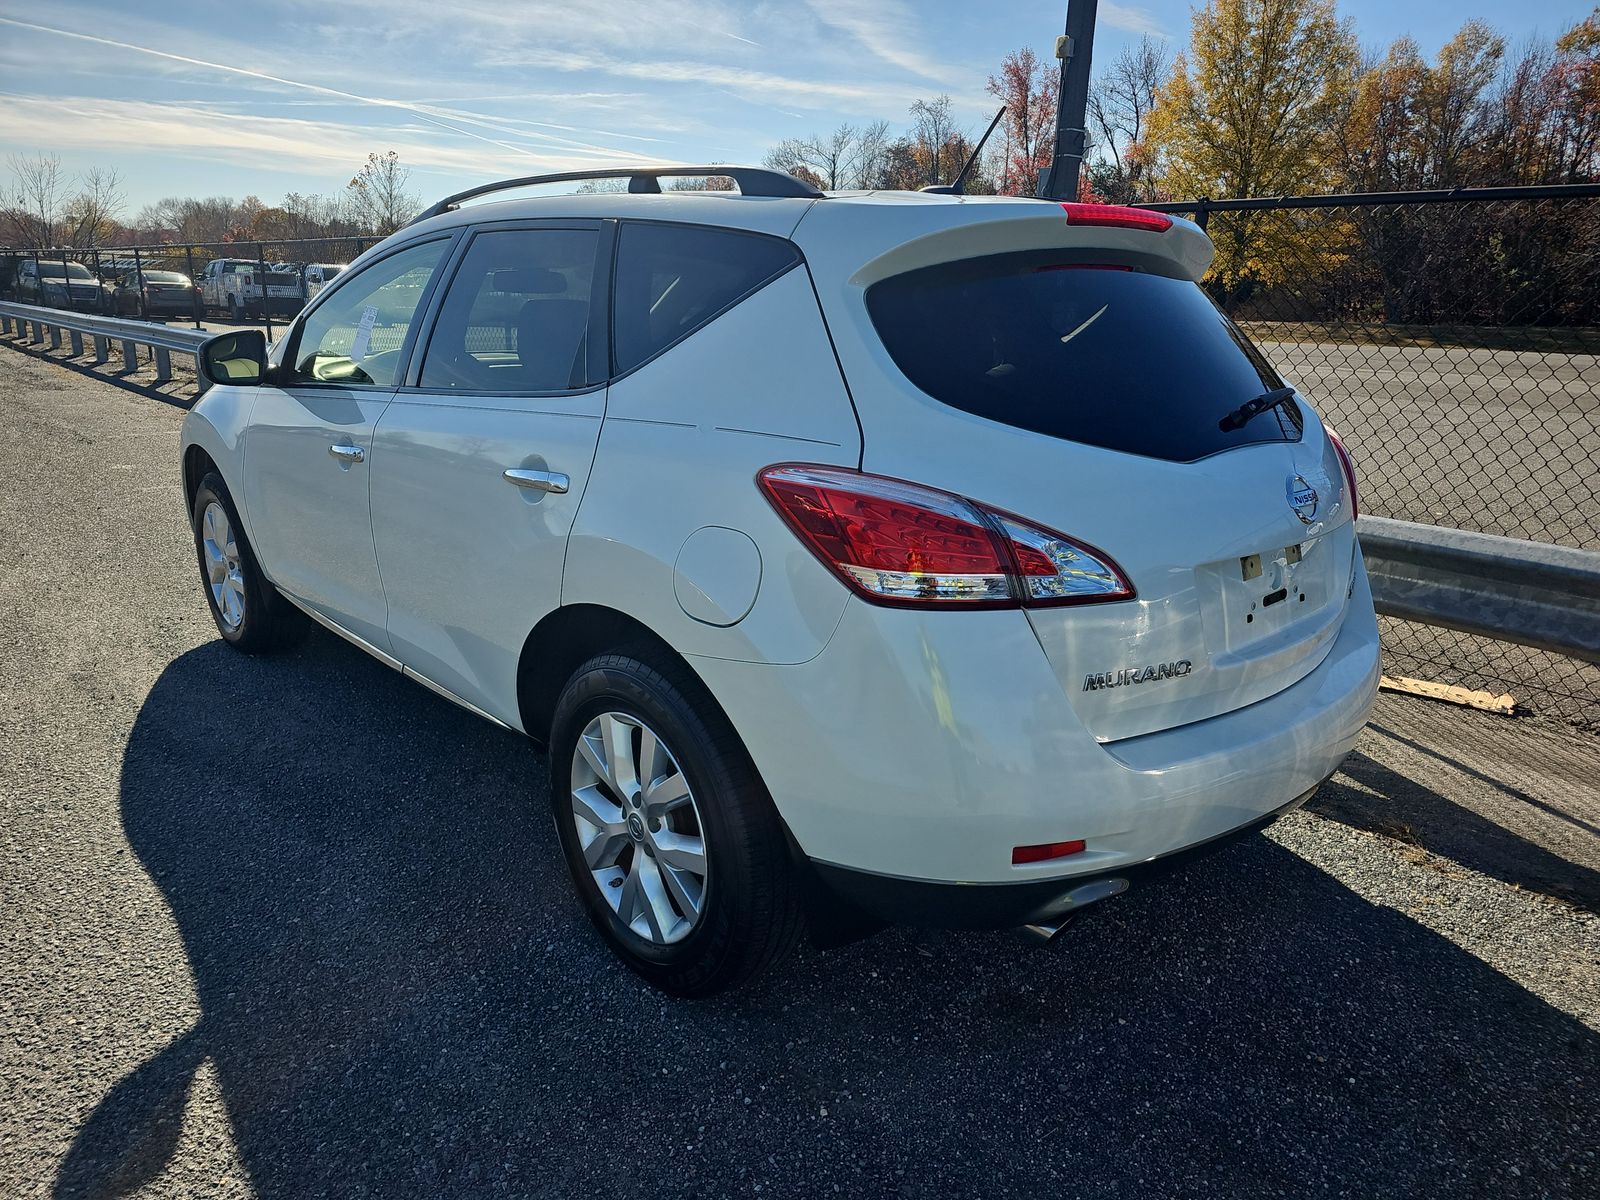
point(1118, 216)
point(900, 543)
point(1349, 471)
point(1045, 852)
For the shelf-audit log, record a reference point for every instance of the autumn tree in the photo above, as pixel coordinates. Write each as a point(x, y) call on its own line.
point(90, 217)
point(378, 193)
point(1028, 87)
point(1252, 109)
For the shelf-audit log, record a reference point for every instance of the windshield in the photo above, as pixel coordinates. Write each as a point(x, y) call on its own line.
point(1089, 352)
point(165, 277)
point(52, 270)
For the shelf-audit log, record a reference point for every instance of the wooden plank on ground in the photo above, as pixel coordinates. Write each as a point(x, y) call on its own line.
point(1448, 692)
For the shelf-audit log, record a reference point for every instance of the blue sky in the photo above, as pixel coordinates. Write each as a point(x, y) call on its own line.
point(272, 96)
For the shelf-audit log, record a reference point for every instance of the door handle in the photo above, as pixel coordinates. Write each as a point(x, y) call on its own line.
point(538, 481)
point(347, 453)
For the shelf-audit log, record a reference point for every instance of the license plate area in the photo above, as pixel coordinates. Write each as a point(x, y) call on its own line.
point(1250, 600)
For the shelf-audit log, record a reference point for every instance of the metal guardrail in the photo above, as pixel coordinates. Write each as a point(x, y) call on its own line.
point(1531, 593)
point(48, 324)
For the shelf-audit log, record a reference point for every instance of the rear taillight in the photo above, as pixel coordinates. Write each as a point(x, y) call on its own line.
point(1349, 469)
point(900, 543)
point(1118, 216)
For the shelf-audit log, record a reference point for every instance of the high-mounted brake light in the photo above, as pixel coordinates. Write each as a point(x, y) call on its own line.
point(1349, 469)
point(1118, 216)
point(903, 544)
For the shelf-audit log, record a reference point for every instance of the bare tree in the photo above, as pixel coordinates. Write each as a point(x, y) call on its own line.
point(829, 158)
point(1120, 102)
point(38, 192)
point(91, 215)
point(933, 129)
point(378, 193)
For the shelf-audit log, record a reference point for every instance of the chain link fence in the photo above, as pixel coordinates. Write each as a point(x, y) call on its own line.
point(1453, 340)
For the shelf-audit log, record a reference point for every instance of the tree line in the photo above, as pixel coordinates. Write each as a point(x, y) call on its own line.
point(44, 207)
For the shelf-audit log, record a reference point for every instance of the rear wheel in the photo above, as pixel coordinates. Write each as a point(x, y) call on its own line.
point(673, 843)
point(250, 614)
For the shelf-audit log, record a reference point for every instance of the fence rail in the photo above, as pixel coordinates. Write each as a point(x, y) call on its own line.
point(1528, 593)
point(47, 325)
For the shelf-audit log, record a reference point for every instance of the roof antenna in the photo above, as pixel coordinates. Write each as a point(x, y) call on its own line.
point(955, 189)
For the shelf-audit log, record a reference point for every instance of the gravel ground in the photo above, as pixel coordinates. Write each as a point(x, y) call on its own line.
point(296, 927)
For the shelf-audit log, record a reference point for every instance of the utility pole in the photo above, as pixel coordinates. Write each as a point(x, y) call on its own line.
point(1060, 181)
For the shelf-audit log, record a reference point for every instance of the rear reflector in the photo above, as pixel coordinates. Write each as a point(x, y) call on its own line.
point(1049, 850)
point(1118, 216)
point(903, 544)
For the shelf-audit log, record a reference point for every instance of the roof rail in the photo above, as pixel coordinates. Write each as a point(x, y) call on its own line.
point(752, 181)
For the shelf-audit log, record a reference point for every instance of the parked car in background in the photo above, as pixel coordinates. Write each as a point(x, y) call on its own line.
point(154, 294)
point(319, 275)
point(55, 284)
point(239, 288)
point(932, 558)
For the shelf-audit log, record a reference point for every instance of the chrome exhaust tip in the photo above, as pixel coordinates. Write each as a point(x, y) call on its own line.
point(1062, 912)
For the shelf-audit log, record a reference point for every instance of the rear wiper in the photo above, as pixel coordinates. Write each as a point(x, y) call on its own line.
point(1254, 408)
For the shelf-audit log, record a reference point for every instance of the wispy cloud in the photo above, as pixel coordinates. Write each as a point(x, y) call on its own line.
point(1133, 20)
point(69, 123)
point(451, 119)
point(888, 29)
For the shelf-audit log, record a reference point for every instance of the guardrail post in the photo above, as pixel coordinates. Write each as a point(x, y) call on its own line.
point(77, 344)
point(38, 334)
point(102, 349)
point(5, 324)
point(163, 364)
point(130, 356)
point(55, 337)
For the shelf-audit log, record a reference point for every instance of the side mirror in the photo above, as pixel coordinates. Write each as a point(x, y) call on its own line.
point(238, 358)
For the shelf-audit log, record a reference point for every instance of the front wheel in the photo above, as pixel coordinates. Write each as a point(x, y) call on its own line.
point(673, 842)
point(250, 614)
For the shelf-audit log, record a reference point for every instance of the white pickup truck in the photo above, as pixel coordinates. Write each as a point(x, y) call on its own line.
point(234, 286)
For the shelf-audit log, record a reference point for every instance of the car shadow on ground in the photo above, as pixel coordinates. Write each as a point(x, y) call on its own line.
point(400, 996)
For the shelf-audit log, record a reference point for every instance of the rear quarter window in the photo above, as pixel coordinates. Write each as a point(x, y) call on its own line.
point(672, 279)
point(1094, 353)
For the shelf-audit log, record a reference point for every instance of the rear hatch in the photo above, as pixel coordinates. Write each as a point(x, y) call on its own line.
point(1078, 377)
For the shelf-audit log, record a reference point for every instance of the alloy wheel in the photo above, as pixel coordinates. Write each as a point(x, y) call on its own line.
point(639, 828)
point(223, 572)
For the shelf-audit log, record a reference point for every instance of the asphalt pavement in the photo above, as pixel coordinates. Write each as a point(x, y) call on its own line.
point(296, 927)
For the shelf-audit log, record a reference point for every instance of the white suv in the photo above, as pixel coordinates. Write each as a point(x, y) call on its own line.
point(858, 557)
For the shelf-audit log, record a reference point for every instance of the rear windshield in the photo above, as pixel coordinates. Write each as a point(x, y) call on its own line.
point(1103, 355)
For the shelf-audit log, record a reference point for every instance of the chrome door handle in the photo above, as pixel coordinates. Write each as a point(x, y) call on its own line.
point(348, 453)
point(538, 481)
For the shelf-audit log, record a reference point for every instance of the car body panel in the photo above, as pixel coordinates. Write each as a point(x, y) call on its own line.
point(677, 455)
point(470, 562)
point(311, 519)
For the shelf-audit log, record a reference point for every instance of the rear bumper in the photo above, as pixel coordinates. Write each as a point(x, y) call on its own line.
point(924, 747)
point(940, 905)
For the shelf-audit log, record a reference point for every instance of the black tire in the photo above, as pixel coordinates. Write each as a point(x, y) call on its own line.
point(268, 622)
point(750, 917)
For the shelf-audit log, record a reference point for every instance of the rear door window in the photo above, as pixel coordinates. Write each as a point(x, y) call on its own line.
point(672, 279)
point(517, 314)
point(1092, 353)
